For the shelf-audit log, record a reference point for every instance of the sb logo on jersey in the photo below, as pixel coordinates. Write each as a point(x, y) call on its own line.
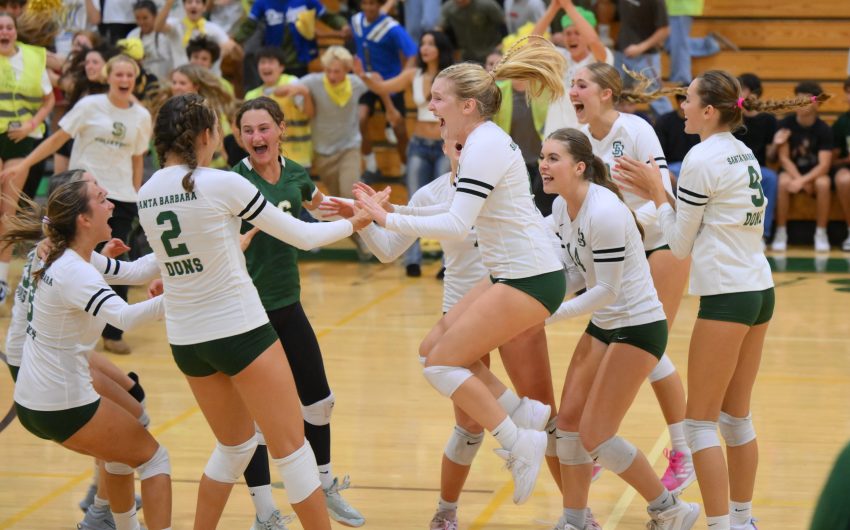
point(580, 239)
point(118, 130)
point(285, 206)
point(618, 148)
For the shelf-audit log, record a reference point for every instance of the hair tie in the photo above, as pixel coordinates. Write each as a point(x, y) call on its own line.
point(45, 220)
point(814, 99)
point(740, 103)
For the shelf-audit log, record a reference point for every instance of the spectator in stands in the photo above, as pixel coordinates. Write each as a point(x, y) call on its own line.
point(204, 52)
point(841, 162)
point(420, 16)
point(13, 7)
point(116, 19)
point(78, 15)
point(297, 144)
point(583, 47)
point(475, 26)
point(675, 143)
point(806, 158)
point(643, 29)
point(762, 135)
point(193, 25)
point(521, 12)
point(381, 43)
point(226, 13)
point(289, 25)
point(164, 51)
point(682, 47)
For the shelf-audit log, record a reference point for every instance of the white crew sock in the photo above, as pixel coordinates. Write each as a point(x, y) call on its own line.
point(127, 520)
point(740, 513)
point(509, 401)
point(263, 501)
point(326, 476)
point(677, 438)
point(720, 522)
point(506, 433)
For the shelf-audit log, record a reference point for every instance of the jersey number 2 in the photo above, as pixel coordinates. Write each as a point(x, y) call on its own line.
point(755, 184)
point(171, 234)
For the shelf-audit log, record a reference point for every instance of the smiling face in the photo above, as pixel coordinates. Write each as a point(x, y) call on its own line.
point(8, 35)
point(145, 20)
point(694, 111)
point(181, 84)
point(558, 170)
point(428, 49)
point(94, 67)
point(121, 79)
point(194, 9)
point(270, 70)
point(588, 98)
point(261, 136)
point(575, 43)
point(447, 107)
point(99, 211)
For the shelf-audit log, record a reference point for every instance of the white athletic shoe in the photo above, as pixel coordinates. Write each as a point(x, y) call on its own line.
point(275, 522)
point(524, 461)
point(97, 518)
point(751, 525)
point(444, 520)
point(531, 414)
point(821, 242)
point(780, 241)
point(680, 516)
point(339, 510)
point(590, 523)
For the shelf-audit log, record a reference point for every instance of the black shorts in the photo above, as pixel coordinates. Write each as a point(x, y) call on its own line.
point(10, 149)
point(370, 98)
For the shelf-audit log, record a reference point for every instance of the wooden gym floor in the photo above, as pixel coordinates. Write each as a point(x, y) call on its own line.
point(389, 425)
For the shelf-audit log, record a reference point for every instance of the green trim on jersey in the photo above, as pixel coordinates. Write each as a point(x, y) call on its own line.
point(273, 264)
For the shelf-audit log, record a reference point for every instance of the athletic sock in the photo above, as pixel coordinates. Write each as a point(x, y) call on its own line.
point(677, 438)
point(509, 400)
point(326, 476)
point(664, 501)
point(258, 479)
point(506, 433)
point(446, 506)
point(577, 518)
point(127, 520)
point(740, 513)
point(101, 503)
point(720, 522)
point(263, 501)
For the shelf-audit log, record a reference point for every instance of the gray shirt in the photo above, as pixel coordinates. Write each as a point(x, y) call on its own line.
point(518, 12)
point(335, 128)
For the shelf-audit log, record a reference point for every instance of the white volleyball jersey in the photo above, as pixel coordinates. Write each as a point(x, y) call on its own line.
point(115, 272)
point(70, 305)
point(462, 260)
point(632, 136)
point(603, 242)
point(719, 218)
point(493, 195)
point(195, 236)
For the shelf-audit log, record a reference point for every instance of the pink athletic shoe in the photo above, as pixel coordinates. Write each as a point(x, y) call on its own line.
point(680, 471)
point(597, 471)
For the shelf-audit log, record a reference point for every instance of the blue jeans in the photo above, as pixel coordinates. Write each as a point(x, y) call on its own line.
point(681, 47)
point(768, 186)
point(425, 163)
point(420, 16)
point(648, 64)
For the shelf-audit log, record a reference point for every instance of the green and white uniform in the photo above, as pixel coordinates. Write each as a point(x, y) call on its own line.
point(632, 136)
point(719, 218)
point(273, 265)
point(195, 236)
point(603, 243)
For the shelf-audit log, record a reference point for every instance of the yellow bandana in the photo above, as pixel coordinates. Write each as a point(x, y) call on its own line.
point(189, 27)
point(339, 94)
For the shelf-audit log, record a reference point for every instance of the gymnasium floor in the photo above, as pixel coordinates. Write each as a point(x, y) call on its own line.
point(389, 425)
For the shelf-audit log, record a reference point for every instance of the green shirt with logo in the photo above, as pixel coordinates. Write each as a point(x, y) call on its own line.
point(273, 264)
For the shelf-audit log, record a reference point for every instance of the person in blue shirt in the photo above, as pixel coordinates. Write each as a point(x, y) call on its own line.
point(381, 42)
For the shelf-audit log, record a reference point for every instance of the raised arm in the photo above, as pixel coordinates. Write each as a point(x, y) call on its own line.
point(586, 30)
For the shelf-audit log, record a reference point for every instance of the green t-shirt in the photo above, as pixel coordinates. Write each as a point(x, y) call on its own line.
point(272, 264)
point(693, 8)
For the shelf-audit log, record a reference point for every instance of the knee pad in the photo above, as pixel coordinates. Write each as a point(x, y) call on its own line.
point(663, 368)
point(737, 431)
point(319, 413)
point(261, 438)
point(159, 464)
point(463, 446)
point(615, 454)
point(446, 379)
point(701, 435)
point(299, 472)
point(422, 360)
point(117, 468)
point(570, 450)
point(228, 463)
point(551, 440)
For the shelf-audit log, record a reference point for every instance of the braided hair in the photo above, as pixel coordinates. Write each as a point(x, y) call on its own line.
point(178, 124)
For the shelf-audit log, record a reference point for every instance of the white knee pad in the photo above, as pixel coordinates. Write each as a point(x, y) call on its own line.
point(551, 440)
point(422, 360)
point(117, 468)
point(662, 369)
point(701, 435)
point(463, 446)
point(299, 472)
point(446, 379)
point(570, 450)
point(615, 454)
point(228, 463)
point(159, 464)
point(261, 438)
point(319, 413)
point(737, 431)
